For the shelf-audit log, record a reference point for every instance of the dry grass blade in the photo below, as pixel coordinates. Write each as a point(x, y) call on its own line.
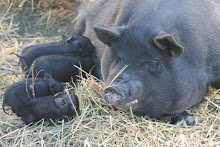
point(6, 13)
point(118, 74)
point(100, 124)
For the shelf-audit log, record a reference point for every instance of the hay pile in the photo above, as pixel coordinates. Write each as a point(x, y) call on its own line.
point(24, 23)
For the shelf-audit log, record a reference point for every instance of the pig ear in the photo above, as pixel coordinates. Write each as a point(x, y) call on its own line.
point(108, 34)
point(60, 102)
point(168, 42)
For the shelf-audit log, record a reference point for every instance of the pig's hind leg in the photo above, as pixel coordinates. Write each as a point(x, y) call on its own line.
point(183, 118)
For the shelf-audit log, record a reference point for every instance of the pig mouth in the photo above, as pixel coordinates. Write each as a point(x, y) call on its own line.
point(131, 103)
point(127, 105)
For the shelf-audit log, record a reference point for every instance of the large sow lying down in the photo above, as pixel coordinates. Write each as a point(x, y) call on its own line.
point(157, 56)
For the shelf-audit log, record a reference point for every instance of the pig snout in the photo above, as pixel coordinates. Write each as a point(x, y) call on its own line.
point(112, 95)
point(124, 93)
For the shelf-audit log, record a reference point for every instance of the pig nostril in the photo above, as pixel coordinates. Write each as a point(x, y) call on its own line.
point(112, 98)
point(106, 96)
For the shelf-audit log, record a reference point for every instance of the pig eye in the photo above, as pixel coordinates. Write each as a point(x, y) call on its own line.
point(117, 60)
point(154, 67)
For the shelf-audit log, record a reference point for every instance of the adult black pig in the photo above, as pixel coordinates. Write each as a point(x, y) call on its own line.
point(55, 108)
point(157, 56)
point(20, 92)
point(62, 67)
point(80, 47)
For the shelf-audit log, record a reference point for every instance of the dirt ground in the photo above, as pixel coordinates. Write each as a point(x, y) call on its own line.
point(24, 23)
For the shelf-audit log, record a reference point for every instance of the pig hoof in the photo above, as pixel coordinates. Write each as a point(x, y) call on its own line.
point(183, 119)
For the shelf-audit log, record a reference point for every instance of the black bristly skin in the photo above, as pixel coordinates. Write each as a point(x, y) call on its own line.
point(21, 92)
point(158, 57)
point(50, 108)
point(77, 47)
point(62, 67)
point(58, 43)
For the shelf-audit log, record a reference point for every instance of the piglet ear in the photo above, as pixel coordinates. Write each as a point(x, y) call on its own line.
point(71, 39)
point(59, 94)
point(64, 37)
point(60, 102)
point(52, 82)
point(47, 76)
point(108, 34)
point(167, 42)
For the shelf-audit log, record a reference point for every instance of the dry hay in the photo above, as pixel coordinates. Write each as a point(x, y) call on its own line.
point(100, 124)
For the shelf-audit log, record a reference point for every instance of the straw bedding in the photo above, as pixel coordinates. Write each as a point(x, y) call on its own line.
point(24, 23)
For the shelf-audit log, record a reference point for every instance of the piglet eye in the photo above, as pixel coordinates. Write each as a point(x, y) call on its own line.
point(52, 86)
point(63, 102)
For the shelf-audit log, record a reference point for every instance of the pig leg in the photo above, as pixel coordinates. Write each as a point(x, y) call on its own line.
point(28, 119)
point(216, 85)
point(15, 107)
point(183, 117)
